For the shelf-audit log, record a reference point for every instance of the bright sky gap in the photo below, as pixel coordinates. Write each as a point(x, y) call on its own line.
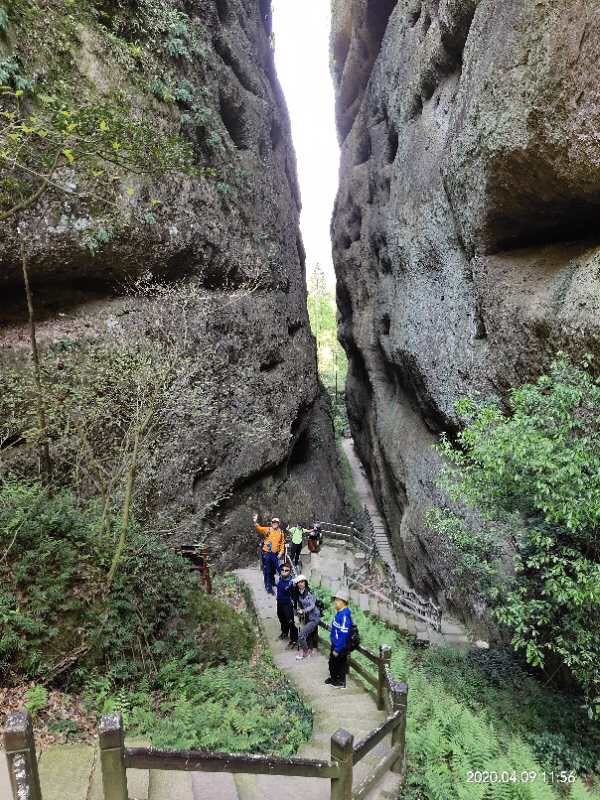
point(302, 56)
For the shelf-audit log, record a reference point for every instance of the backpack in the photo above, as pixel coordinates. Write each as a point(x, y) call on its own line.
point(354, 637)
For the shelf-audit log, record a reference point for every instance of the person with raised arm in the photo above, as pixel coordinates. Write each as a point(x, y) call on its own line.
point(273, 547)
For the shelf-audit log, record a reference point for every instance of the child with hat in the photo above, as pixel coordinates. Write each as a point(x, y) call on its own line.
point(340, 640)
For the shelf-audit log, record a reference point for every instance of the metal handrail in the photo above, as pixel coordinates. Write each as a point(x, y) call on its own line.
point(401, 598)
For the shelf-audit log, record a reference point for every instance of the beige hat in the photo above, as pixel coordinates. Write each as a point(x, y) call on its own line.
point(275, 519)
point(341, 594)
point(299, 578)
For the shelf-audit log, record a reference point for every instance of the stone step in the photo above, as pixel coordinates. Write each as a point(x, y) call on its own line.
point(387, 788)
point(65, 772)
point(247, 787)
point(212, 786)
point(457, 641)
point(451, 627)
point(171, 785)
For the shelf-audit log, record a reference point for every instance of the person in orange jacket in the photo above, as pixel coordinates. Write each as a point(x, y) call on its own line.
point(273, 547)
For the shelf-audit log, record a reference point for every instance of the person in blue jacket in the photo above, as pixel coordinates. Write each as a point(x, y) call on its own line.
point(340, 640)
point(285, 605)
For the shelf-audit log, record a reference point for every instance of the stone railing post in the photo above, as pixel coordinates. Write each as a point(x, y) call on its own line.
point(112, 757)
point(21, 757)
point(400, 703)
point(342, 754)
point(385, 654)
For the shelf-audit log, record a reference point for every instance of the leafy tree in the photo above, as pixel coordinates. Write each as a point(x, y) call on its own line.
point(536, 472)
point(45, 139)
point(332, 361)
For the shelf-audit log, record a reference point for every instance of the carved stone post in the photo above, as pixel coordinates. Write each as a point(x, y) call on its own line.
point(112, 757)
point(400, 703)
point(20, 754)
point(342, 754)
point(385, 654)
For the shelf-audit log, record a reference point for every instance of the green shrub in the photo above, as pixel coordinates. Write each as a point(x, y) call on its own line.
point(36, 699)
point(184, 92)
point(54, 603)
point(238, 708)
point(535, 473)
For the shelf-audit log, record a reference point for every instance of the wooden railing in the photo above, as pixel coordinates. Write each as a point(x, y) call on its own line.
point(350, 534)
point(361, 535)
point(116, 758)
point(391, 696)
point(21, 757)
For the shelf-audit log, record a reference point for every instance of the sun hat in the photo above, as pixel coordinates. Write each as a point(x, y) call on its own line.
point(299, 578)
point(341, 594)
point(275, 519)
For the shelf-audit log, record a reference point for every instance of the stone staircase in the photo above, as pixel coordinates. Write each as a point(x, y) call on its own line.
point(73, 772)
point(327, 568)
point(452, 632)
point(351, 708)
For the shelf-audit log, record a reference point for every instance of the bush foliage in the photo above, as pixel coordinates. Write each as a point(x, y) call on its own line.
point(535, 473)
point(58, 617)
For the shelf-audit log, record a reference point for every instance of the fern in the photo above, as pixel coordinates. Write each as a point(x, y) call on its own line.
point(461, 721)
point(580, 792)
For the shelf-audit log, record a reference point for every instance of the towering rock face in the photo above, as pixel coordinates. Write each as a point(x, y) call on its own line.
point(205, 73)
point(466, 226)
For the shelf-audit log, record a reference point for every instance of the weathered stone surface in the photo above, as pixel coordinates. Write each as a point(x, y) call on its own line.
point(465, 230)
point(264, 439)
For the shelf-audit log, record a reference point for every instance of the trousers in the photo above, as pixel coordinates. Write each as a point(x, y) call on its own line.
point(338, 667)
point(269, 567)
point(295, 550)
point(305, 637)
point(285, 614)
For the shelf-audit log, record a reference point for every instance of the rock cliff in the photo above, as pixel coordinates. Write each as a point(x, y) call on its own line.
point(204, 73)
point(466, 225)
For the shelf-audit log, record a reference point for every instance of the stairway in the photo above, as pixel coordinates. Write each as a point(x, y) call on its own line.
point(452, 632)
point(351, 708)
point(73, 772)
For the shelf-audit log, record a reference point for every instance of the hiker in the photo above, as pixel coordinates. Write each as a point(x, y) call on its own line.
point(314, 539)
point(340, 640)
point(285, 605)
point(273, 547)
point(297, 534)
point(308, 613)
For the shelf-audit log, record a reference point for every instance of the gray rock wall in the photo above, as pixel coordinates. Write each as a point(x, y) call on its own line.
point(233, 234)
point(466, 226)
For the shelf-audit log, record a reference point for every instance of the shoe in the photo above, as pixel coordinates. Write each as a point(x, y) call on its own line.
point(270, 591)
point(302, 655)
point(329, 681)
point(283, 636)
point(339, 685)
point(291, 645)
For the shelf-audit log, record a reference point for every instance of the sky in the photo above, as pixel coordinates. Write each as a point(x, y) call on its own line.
point(302, 55)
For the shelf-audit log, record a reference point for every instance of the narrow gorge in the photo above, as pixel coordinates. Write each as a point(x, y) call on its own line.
point(466, 225)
